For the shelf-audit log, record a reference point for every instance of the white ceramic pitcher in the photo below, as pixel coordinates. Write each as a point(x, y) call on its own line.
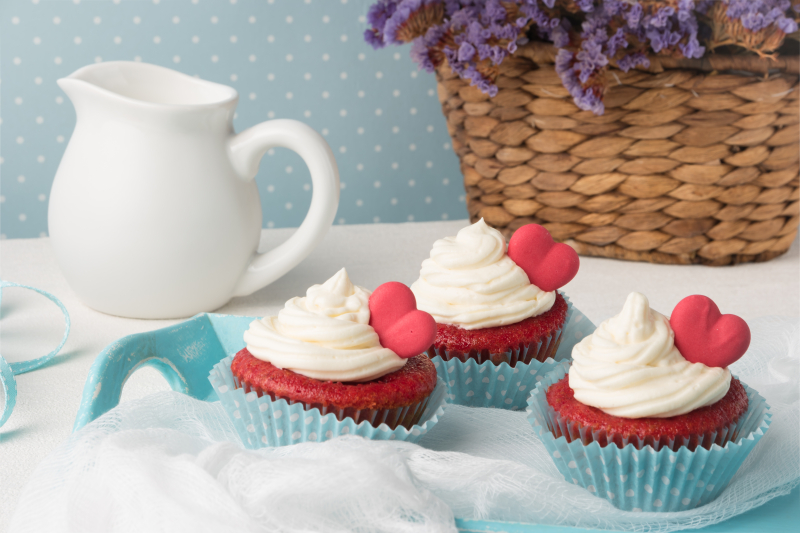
point(154, 212)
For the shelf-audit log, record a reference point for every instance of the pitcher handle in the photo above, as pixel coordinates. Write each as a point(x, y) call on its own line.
point(246, 150)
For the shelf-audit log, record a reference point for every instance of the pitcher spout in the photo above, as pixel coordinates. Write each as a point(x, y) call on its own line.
point(144, 86)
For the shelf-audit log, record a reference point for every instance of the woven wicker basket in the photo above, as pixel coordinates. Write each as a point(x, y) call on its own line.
point(686, 165)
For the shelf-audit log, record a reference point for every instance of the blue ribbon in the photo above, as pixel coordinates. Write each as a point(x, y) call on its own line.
point(8, 371)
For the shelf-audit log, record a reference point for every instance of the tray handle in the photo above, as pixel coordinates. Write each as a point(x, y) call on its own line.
point(183, 354)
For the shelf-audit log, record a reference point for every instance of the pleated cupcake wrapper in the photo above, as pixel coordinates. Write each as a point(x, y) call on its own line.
point(505, 386)
point(262, 421)
point(645, 479)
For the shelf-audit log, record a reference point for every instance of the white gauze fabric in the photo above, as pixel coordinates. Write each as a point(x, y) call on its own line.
point(171, 463)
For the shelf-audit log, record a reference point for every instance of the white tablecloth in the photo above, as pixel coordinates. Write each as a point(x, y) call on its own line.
point(49, 398)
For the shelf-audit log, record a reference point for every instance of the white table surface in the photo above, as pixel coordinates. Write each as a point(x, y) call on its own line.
point(48, 398)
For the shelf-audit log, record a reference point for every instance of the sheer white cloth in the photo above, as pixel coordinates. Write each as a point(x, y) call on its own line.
point(171, 463)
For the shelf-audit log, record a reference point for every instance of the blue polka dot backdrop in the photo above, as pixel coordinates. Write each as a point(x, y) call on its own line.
point(299, 59)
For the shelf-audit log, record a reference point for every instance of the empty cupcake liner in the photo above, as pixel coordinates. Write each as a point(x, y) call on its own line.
point(645, 479)
point(262, 421)
point(504, 386)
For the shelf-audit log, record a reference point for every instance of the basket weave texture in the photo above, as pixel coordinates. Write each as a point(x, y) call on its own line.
point(687, 165)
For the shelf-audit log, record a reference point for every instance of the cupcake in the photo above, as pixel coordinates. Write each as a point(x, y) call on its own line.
point(339, 353)
point(637, 422)
point(496, 309)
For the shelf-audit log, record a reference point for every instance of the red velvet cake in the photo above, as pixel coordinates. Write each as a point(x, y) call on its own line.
point(702, 427)
point(512, 344)
point(398, 398)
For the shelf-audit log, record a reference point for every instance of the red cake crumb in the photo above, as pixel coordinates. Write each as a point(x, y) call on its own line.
point(690, 426)
point(407, 386)
point(482, 344)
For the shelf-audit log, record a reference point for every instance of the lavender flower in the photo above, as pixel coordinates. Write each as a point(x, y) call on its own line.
point(474, 37)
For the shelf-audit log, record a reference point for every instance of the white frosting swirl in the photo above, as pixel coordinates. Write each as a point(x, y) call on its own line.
point(469, 281)
point(629, 367)
point(325, 335)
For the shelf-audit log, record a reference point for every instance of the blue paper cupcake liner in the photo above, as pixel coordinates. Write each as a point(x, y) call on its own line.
point(262, 422)
point(504, 386)
point(645, 479)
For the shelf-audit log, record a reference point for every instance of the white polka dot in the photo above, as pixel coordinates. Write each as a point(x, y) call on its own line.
point(21, 140)
point(18, 100)
point(57, 60)
point(376, 219)
point(37, 40)
point(395, 165)
point(396, 93)
point(306, 113)
point(289, 19)
point(325, 131)
point(446, 146)
point(15, 20)
point(39, 120)
point(252, 58)
point(234, 77)
point(326, 19)
point(23, 217)
point(413, 111)
point(306, 186)
point(411, 183)
point(271, 114)
point(648, 489)
point(214, 19)
point(56, 20)
point(289, 96)
point(325, 57)
point(296, 435)
point(674, 492)
point(325, 94)
point(17, 61)
point(393, 201)
point(252, 96)
point(414, 73)
point(234, 39)
point(98, 59)
point(377, 147)
point(629, 493)
point(428, 199)
point(270, 224)
point(343, 75)
point(271, 76)
point(289, 57)
point(362, 57)
point(377, 184)
point(359, 167)
point(195, 39)
point(289, 170)
point(412, 147)
point(359, 202)
point(270, 188)
point(251, 19)
point(270, 38)
point(59, 100)
point(342, 149)
point(657, 503)
point(686, 501)
point(395, 129)
point(21, 179)
point(445, 181)
point(429, 128)
point(156, 39)
point(379, 74)
point(379, 112)
point(361, 94)
point(40, 159)
point(343, 38)
point(431, 92)
point(360, 131)
point(176, 59)
point(137, 20)
point(411, 219)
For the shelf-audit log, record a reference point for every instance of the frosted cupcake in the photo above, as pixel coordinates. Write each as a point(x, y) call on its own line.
point(487, 309)
point(339, 351)
point(632, 394)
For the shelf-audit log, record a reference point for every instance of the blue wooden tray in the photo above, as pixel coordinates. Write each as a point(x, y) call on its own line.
point(186, 352)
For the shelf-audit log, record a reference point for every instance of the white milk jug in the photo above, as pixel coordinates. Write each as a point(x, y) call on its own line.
point(154, 211)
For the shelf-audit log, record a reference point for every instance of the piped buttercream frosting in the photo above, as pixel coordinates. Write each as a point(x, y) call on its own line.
point(629, 367)
point(470, 281)
point(325, 335)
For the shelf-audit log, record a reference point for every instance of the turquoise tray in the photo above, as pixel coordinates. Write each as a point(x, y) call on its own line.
point(185, 353)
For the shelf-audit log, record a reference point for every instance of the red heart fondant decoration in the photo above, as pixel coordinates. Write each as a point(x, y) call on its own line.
point(704, 335)
point(400, 326)
point(549, 265)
